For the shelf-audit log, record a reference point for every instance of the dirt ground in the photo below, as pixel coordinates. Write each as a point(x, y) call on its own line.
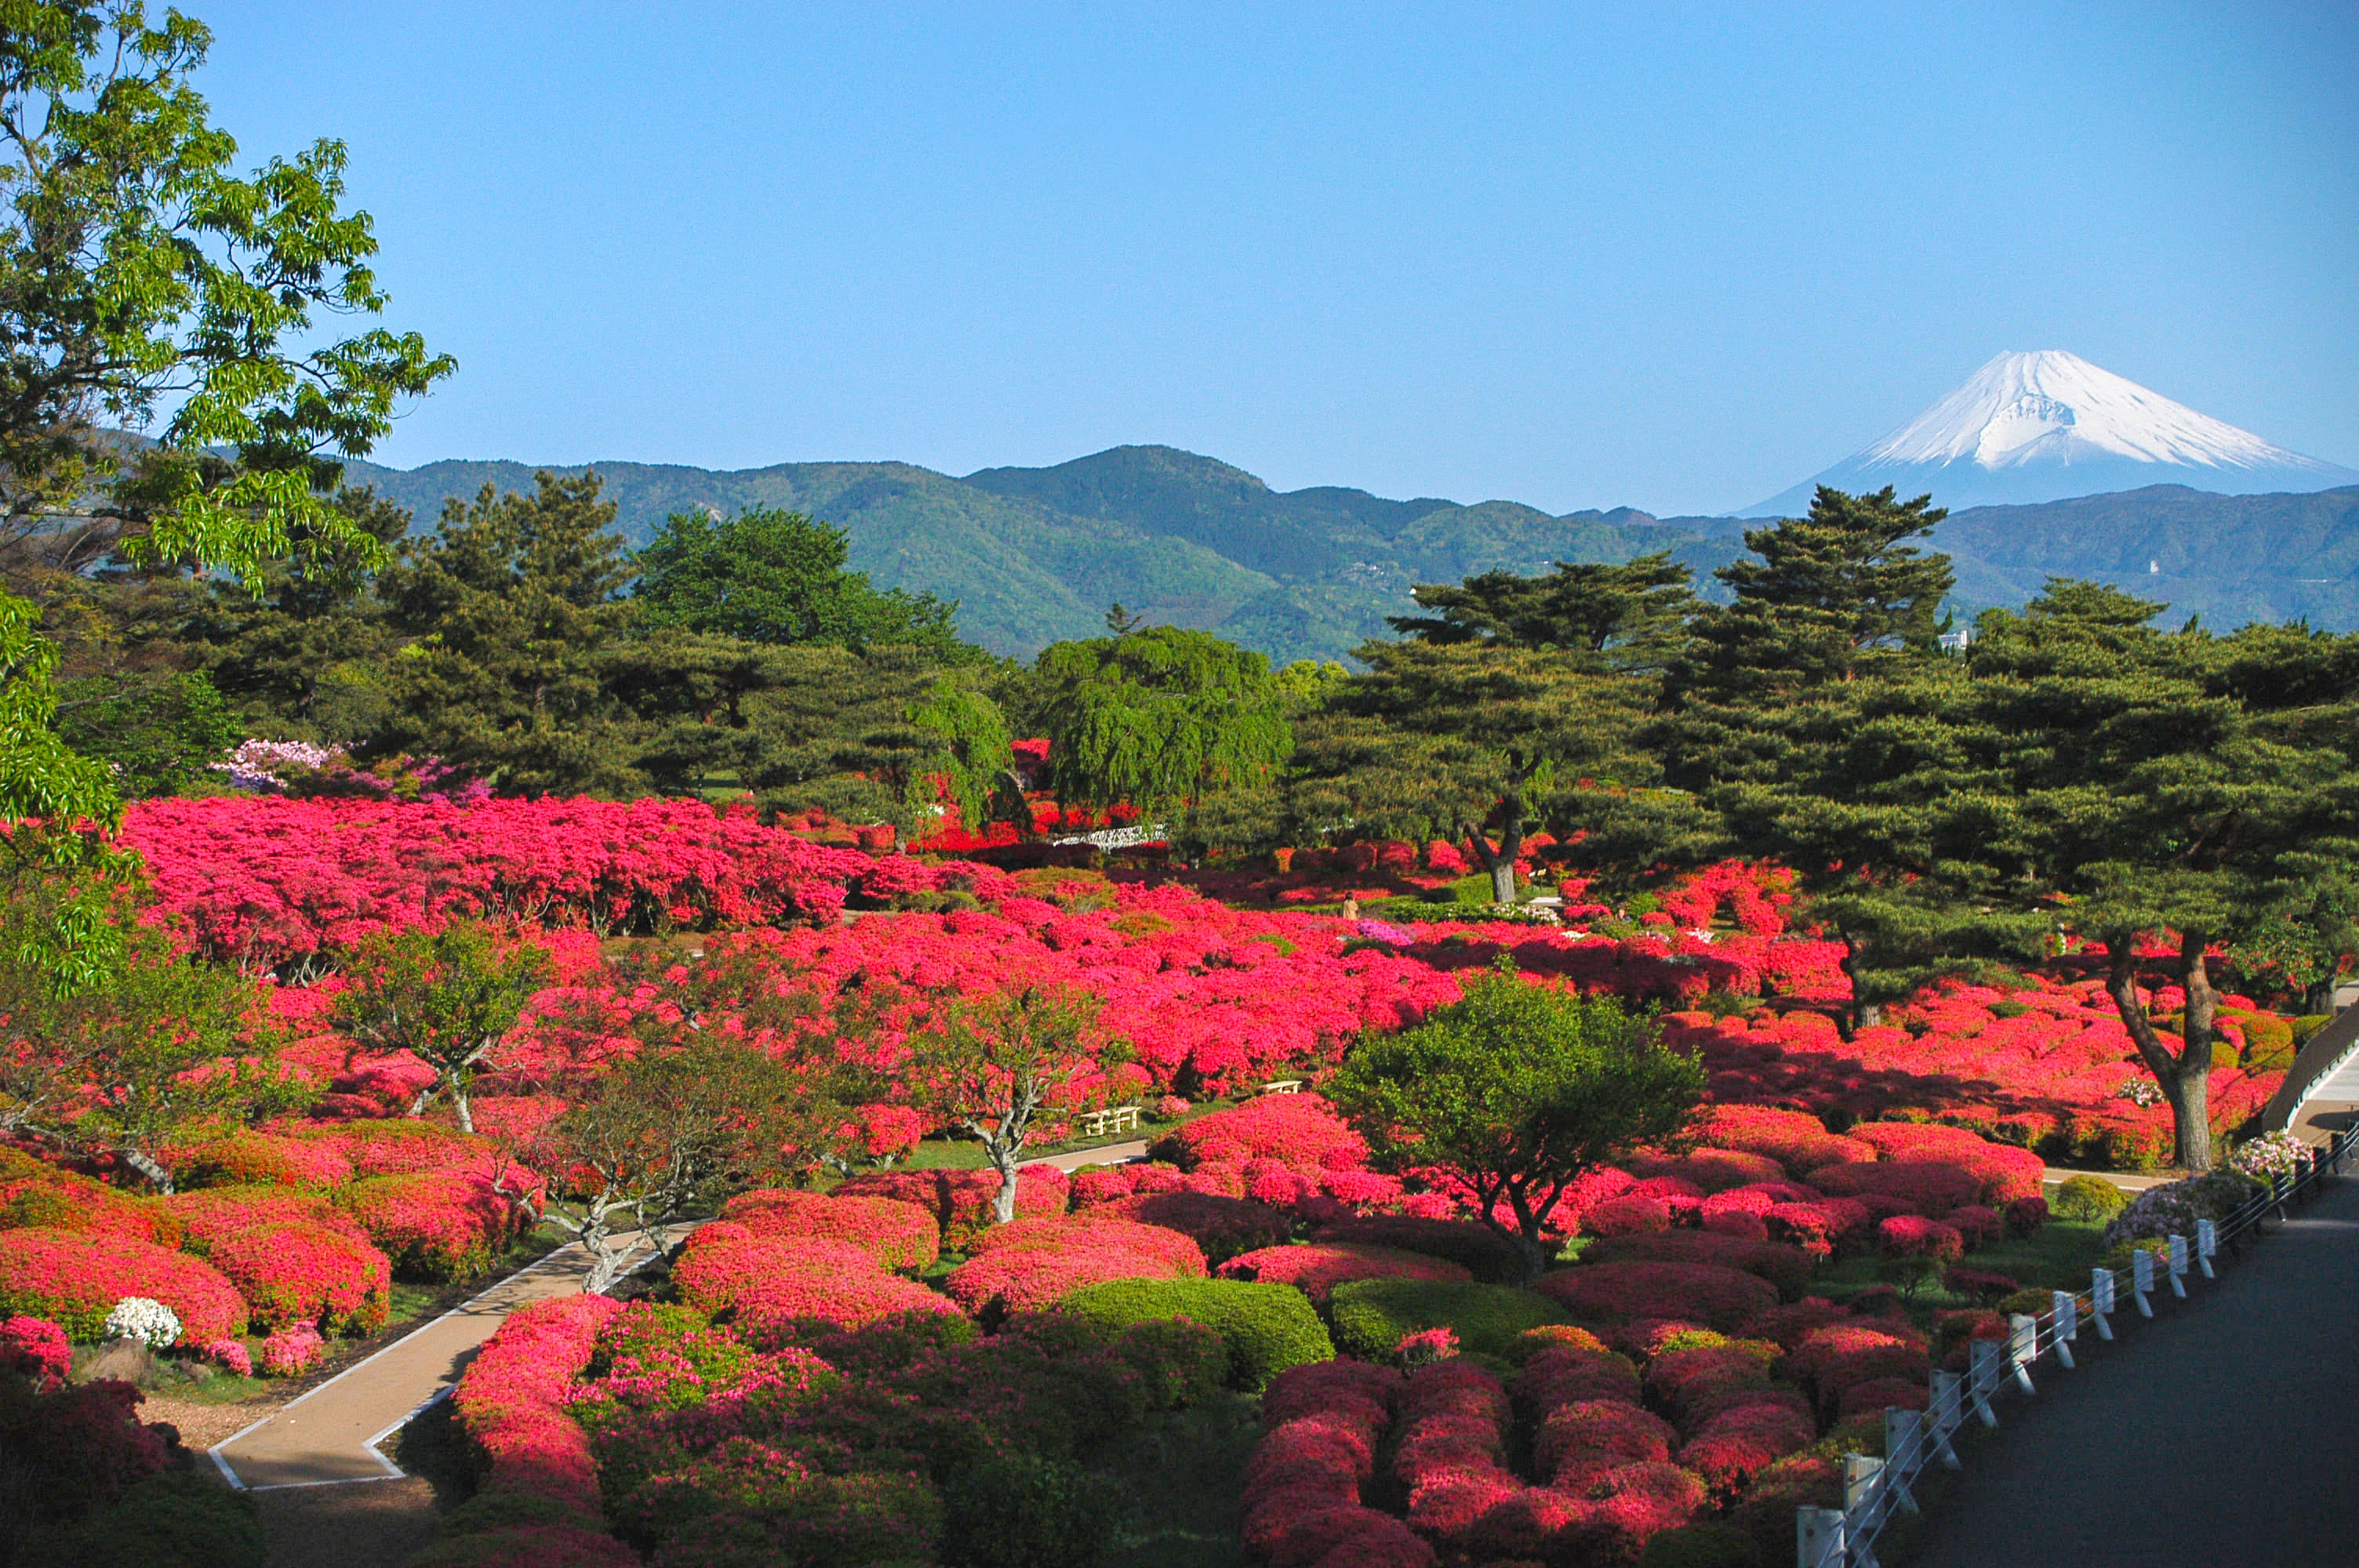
point(201, 1425)
point(363, 1524)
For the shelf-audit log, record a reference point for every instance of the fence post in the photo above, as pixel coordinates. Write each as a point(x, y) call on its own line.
point(1947, 1414)
point(2067, 1325)
point(2100, 1300)
point(2142, 1281)
point(2178, 1267)
point(2207, 1246)
point(2022, 1348)
point(2278, 1192)
point(1862, 1506)
point(1904, 1444)
point(1985, 1357)
point(1817, 1537)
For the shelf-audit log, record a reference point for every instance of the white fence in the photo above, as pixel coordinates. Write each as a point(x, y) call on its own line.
point(1874, 1490)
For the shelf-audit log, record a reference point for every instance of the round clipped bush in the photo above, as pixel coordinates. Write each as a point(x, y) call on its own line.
point(1707, 1545)
point(178, 1517)
point(1718, 1297)
point(1300, 1128)
point(1476, 1248)
point(299, 1272)
point(1267, 1328)
point(434, 1226)
point(37, 1195)
point(211, 1213)
point(2088, 1200)
point(265, 1159)
point(1317, 1268)
point(1373, 1317)
point(1786, 1267)
point(74, 1278)
point(898, 1234)
point(1222, 1227)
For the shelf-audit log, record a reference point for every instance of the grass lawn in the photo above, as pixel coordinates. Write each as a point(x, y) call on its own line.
point(2056, 1257)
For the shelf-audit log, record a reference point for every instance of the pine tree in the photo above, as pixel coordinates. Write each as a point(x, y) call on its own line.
point(1631, 616)
point(512, 601)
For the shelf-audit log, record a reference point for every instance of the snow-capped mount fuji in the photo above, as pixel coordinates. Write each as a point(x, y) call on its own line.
point(2050, 425)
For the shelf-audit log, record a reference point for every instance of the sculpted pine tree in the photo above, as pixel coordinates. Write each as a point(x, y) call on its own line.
point(512, 603)
point(767, 576)
point(1754, 709)
point(1461, 741)
point(1626, 617)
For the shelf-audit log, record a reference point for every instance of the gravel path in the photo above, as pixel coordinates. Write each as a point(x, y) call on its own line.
point(2219, 1434)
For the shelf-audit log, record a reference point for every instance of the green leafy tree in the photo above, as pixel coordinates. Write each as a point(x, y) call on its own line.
point(139, 273)
point(767, 576)
point(673, 1130)
point(303, 655)
point(156, 734)
point(1514, 1092)
point(155, 1054)
point(996, 1060)
point(448, 998)
point(1160, 717)
point(513, 603)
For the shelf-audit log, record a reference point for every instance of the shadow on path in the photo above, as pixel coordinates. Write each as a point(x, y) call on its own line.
point(2220, 1433)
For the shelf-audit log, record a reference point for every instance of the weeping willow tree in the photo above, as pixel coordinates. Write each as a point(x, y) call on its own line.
point(1160, 717)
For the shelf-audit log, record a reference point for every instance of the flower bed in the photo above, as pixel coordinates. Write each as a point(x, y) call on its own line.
point(435, 1226)
point(298, 1273)
point(896, 1235)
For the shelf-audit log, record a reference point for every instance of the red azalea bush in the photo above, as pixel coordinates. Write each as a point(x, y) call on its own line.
point(74, 1279)
point(210, 1215)
point(778, 1289)
point(299, 1272)
point(34, 1193)
point(1042, 1272)
point(1834, 1358)
point(511, 1403)
point(897, 1235)
point(1631, 1215)
point(435, 1226)
point(1297, 1129)
point(1581, 1438)
point(1317, 1268)
point(248, 1159)
point(35, 1347)
point(1736, 1445)
point(1476, 1248)
point(1712, 1170)
point(1788, 1269)
point(1223, 1228)
point(1723, 1298)
point(1569, 1375)
point(960, 1201)
point(1911, 1236)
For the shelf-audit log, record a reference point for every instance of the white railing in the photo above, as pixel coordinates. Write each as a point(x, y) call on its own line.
point(1874, 1490)
point(1122, 838)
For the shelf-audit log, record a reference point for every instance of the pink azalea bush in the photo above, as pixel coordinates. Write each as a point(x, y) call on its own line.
point(74, 1279)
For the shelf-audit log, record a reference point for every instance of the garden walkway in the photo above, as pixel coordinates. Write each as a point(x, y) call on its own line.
point(2219, 1434)
point(331, 1433)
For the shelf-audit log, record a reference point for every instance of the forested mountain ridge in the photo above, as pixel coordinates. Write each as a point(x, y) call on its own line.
point(1034, 555)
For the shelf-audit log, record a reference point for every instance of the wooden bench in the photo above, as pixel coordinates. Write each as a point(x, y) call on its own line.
point(1114, 1119)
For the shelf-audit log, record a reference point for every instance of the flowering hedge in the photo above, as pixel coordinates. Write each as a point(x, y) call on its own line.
point(34, 1193)
point(1296, 1129)
point(1317, 1268)
point(1719, 1297)
point(1048, 1261)
point(511, 1404)
point(780, 1287)
point(897, 1235)
point(36, 1348)
point(74, 1279)
point(435, 1226)
point(296, 1272)
point(960, 1201)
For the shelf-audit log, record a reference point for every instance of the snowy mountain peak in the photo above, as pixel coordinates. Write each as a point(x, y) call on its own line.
point(2049, 425)
point(2052, 406)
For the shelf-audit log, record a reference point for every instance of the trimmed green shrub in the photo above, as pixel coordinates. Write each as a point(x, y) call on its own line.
point(1706, 1545)
point(2090, 1200)
point(1023, 1510)
point(1267, 1328)
point(2308, 1024)
point(1373, 1317)
point(174, 1520)
point(1183, 1363)
point(2268, 1042)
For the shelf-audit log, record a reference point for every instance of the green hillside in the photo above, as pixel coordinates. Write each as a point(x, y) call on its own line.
point(1035, 555)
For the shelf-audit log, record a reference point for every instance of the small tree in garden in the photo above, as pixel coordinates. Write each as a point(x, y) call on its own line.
point(674, 1130)
point(447, 998)
point(155, 1055)
point(1514, 1092)
point(996, 1060)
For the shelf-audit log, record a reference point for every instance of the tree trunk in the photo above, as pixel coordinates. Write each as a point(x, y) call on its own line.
point(1866, 1014)
point(466, 1115)
point(2185, 1078)
point(1003, 1206)
point(1501, 862)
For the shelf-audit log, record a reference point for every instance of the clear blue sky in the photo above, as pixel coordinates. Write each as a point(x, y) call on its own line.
point(1675, 256)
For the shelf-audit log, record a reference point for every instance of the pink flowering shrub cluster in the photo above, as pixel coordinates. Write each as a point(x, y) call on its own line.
point(74, 1279)
point(1304, 1480)
point(512, 1404)
point(292, 1351)
point(1035, 1263)
point(300, 1274)
point(774, 1287)
point(35, 1347)
point(896, 1235)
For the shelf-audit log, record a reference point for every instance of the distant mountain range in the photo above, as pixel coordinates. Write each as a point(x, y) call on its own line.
point(1035, 554)
point(2049, 426)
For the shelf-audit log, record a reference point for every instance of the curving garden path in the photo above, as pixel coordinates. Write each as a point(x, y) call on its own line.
point(2219, 1434)
point(330, 1434)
